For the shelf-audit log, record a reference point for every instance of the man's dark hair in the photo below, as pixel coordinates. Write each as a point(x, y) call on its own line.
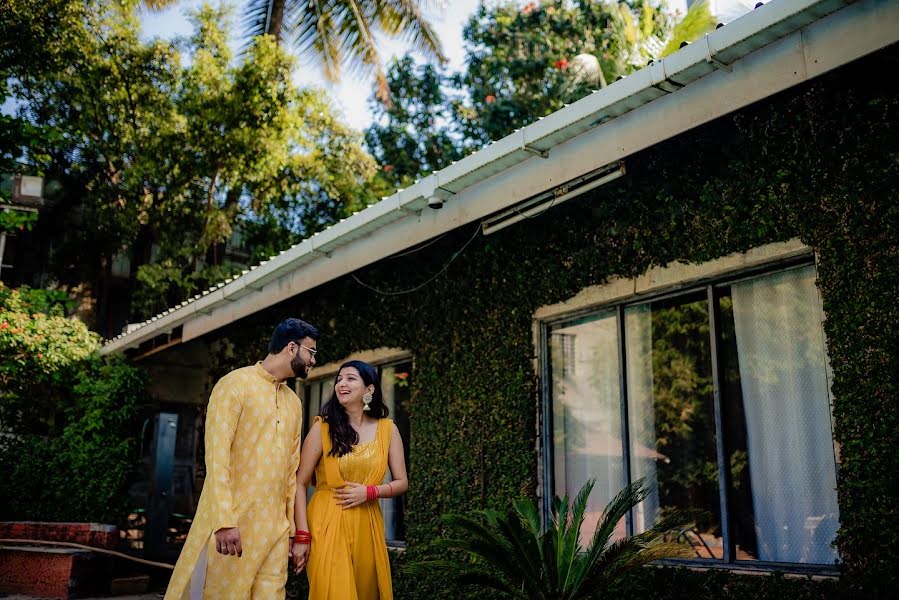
point(291, 330)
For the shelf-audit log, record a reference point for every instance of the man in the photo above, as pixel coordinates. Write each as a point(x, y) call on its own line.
point(238, 543)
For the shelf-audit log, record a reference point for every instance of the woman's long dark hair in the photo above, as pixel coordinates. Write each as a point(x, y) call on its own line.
point(343, 436)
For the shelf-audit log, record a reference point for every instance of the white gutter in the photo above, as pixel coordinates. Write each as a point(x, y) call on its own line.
point(773, 48)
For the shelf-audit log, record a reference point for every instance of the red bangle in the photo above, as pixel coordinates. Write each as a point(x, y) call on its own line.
point(302, 537)
point(371, 492)
point(390, 487)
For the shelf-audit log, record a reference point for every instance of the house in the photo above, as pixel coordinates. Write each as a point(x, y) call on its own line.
point(687, 276)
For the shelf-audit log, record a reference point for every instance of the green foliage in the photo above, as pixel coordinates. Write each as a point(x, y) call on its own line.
point(523, 63)
point(515, 555)
point(66, 414)
point(820, 163)
point(684, 584)
point(17, 220)
point(522, 60)
point(168, 282)
point(38, 353)
point(166, 149)
point(413, 134)
point(698, 21)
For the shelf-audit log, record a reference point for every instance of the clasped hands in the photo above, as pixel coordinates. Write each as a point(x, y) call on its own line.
point(227, 540)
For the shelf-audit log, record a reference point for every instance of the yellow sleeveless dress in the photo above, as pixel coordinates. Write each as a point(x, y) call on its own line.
point(348, 560)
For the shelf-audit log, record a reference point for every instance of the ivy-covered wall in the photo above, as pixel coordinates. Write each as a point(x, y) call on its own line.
point(820, 163)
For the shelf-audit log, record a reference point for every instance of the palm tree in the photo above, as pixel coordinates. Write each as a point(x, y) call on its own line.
point(335, 32)
point(514, 555)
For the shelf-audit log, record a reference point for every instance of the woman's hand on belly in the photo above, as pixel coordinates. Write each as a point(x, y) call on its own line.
point(350, 495)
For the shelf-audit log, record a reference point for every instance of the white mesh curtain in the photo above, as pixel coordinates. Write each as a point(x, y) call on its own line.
point(782, 363)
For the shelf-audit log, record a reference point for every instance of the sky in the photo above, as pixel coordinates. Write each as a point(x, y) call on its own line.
point(351, 95)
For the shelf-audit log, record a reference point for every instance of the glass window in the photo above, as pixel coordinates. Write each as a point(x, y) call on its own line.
point(587, 412)
point(756, 458)
point(672, 415)
point(396, 379)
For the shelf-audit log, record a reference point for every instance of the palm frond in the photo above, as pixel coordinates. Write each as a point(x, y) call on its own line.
point(698, 21)
point(158, 5)
point(404, 18)
point(314, 32)
point(616, 510)
point(570, 535)
point(255, 17)
point(527, 510)
point(487, 541)
point(526, 551)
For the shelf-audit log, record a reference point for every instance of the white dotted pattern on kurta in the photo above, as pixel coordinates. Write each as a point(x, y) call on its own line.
point(253, 429)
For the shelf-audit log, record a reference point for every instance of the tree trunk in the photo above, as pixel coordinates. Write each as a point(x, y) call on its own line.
point(275, 23)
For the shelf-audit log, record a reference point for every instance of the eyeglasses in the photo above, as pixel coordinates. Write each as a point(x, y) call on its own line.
point(312, 351)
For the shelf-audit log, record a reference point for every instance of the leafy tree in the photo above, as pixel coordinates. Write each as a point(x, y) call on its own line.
point(160, 162)
point(37, 37)
point(413, 133)
point(527, 62)
point(524, 62)
point(515, 555)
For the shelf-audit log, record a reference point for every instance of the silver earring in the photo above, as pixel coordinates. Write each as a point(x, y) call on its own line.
point(366, 400)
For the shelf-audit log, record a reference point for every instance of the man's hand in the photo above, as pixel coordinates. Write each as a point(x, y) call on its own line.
point(227, 541)
point(299, 554)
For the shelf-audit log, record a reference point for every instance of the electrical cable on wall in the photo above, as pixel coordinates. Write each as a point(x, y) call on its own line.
point(436, 275)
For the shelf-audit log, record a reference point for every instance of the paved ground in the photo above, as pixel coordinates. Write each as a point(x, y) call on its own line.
point(138, 597)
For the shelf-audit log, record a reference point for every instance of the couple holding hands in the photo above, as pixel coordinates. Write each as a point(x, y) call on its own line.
point(254, 515)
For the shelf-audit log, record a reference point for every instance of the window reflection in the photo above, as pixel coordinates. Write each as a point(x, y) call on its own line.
point(672, 417)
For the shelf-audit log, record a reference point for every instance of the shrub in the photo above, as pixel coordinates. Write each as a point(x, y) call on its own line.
point(67, 415)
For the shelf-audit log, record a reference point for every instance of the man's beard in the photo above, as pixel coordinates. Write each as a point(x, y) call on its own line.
point(299, 367)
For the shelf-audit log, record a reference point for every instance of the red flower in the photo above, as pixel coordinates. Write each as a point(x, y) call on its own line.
point(4, 326)
point(529, 8)
point(388, 168)
point(490, 99)
point(401, 375)
point(561, 64)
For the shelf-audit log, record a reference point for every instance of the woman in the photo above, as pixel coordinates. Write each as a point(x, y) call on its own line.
point(341, 532)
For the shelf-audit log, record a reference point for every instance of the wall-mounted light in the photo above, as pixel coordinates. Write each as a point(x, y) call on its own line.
point(537, 205)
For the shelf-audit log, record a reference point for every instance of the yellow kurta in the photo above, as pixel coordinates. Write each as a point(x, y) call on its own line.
point(253, 427)
point(348, 560)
